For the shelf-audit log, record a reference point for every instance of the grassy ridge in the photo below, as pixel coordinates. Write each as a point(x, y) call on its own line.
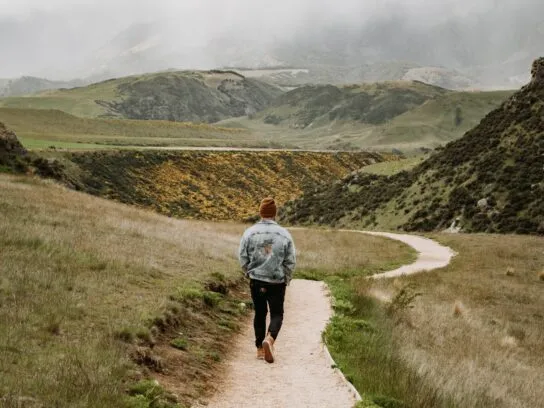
point(76, 101)
point(97, 298)
point(38, 127)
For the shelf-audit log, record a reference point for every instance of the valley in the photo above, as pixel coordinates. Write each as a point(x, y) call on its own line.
point(122, 204)
point(226, 109)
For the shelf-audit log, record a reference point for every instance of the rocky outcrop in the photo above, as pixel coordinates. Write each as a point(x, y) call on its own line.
point(12, 152)
point(537, 72)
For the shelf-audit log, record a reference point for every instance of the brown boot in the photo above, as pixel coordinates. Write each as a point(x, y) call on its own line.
point(260, 353)
point(268, 347)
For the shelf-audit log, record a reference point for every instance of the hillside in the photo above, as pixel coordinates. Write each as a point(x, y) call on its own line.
point(206, 184)
point(174, 96)
point(45, 128)
point(385, 115)
point(490, 180)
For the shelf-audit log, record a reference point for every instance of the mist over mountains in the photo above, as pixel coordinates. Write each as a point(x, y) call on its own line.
point(486, 42)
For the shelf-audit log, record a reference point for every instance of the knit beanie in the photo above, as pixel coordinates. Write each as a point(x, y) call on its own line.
point(267, 208)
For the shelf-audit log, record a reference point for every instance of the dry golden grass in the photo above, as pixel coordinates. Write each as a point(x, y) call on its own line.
point(494, 355)
point(78, 271)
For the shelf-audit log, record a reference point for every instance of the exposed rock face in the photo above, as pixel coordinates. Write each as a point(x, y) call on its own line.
point(11, 150)
point(537, 72)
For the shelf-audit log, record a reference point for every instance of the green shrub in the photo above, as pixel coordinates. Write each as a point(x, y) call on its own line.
point(180, 343)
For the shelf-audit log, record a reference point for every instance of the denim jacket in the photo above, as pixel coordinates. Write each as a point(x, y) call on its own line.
point(267, 253)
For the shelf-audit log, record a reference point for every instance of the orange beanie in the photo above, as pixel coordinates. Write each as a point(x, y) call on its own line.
point(268, 208)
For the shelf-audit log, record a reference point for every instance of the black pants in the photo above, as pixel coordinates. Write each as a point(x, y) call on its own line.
point(267, 295)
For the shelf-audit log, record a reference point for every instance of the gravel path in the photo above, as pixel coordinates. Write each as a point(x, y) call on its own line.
point(302, 375)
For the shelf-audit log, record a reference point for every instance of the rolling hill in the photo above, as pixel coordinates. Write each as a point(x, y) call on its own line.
point(385, 115)
point(490, 180)
point(174, 96)
point(45, 128)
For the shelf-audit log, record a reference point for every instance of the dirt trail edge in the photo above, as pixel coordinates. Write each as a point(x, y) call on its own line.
point(303, 375)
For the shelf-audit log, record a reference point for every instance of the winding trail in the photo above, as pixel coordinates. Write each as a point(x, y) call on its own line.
point(302, 375)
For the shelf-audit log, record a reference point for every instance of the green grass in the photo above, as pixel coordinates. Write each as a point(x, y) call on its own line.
point(446, 338)
point(77, 101)
point(38, 144)
point(394, 166)
point(360, 339)
point(40, 129)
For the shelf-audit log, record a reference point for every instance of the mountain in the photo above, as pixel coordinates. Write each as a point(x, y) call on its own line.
point(448, 50)
point(487, 44)
point(490, 180)
point(27, 85)
point(365, 73)
point(179, 96)
point(403, 115)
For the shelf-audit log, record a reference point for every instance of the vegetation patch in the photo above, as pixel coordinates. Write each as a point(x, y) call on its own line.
point(207, 185)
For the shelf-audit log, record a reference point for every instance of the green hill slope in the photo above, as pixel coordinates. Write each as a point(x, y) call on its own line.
point(42, 128)
point(489, 180)
point(387, 115)
point(177, 96)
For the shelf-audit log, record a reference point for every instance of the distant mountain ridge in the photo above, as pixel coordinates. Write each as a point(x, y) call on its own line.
point(200, 96)
point(490, 180)
point(28, 85)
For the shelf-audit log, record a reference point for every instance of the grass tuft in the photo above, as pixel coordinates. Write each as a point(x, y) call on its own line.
point(180, 343)
point(459, 309)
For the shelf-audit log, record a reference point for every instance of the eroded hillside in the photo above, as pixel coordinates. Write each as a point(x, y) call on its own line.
point(490, 180)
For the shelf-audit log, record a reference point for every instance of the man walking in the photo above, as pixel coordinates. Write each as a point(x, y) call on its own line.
point(267, 256)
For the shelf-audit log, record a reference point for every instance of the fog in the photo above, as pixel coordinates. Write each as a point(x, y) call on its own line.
point(64, 39)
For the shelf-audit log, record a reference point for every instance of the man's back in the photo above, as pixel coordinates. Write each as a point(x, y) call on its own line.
point(267, 252)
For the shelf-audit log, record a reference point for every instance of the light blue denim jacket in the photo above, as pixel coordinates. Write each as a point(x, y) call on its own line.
point(267, 253)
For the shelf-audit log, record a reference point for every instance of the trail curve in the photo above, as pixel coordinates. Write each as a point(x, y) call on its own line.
point(303, 374)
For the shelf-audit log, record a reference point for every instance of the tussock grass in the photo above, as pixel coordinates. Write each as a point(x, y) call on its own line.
point(89, 288)
point(492, 354)
point(78, 274)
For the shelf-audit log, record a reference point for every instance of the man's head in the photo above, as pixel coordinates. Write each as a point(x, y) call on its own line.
point(268, 208)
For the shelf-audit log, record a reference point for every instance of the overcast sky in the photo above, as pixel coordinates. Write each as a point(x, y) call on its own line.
point(34, 34)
